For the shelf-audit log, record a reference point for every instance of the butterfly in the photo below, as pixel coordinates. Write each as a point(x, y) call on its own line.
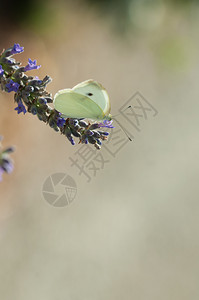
point(88, 99)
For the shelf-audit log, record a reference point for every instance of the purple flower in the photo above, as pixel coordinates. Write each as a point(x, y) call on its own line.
point(61, 122)
point(99, 142)
point(71, 139)
point(104, 133)
point(20, 108)
point(12, 86)
point(1, 173)
point(1, 71)
point(107, 124)
point(38, 80)
point(7, 165)
point(32, 64)
point(89, 132)
point(16, 49)
point(10, 61)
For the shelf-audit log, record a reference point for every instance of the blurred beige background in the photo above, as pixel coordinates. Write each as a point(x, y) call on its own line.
point(132, 232)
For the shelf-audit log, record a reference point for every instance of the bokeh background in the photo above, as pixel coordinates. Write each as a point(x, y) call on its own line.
point(132, 232)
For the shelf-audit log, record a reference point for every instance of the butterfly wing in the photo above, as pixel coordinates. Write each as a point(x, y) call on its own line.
point(96, 92)
point(75, 105)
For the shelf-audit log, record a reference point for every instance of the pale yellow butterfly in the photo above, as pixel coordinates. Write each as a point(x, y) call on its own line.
point(88, 99)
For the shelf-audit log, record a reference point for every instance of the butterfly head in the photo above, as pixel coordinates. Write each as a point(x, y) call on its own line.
point(108, 117)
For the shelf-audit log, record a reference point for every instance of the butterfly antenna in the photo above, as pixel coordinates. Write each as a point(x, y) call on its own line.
point(123, 129)
point(123, 111)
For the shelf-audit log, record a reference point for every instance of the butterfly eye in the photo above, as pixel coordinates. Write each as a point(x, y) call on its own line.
point(89, 94)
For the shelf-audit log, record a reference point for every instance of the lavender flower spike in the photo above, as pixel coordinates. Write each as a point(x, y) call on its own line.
point(32, 65)
point(31, 96)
